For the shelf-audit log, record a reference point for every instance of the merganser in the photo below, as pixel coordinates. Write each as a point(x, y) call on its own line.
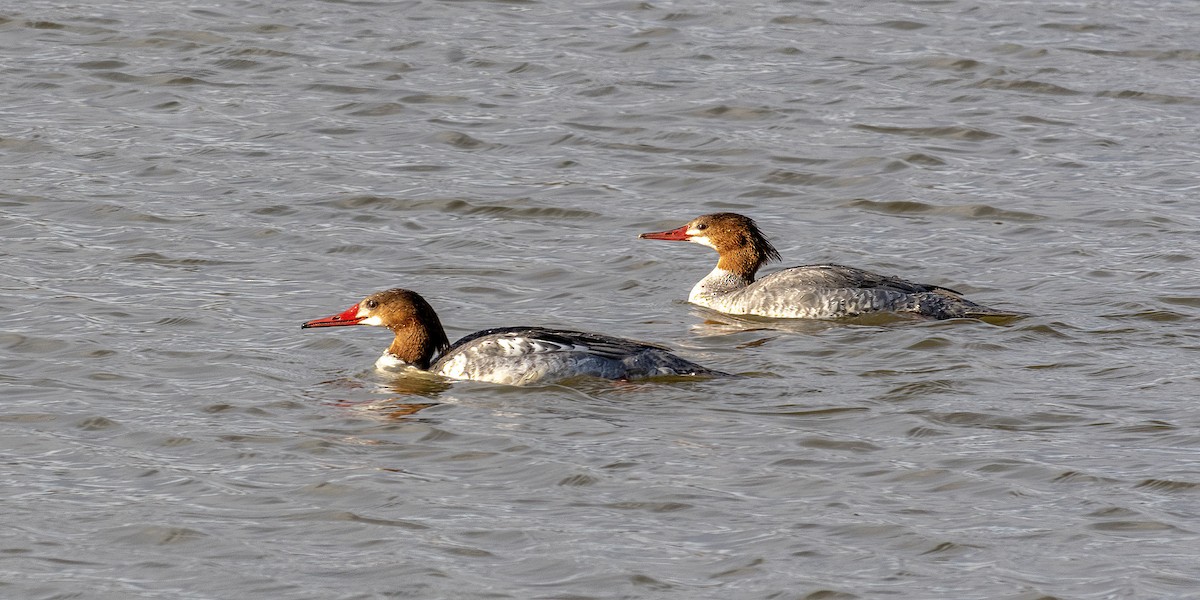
point(507, 355)
point(805, 292)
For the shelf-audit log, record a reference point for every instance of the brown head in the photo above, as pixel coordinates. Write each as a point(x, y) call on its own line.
point(418, 332)
point(737, 238)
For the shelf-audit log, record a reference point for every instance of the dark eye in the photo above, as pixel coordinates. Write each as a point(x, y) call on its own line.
point(702, 227)
point(372, 304)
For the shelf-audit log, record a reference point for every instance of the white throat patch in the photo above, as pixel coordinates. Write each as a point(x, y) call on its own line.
point(695, 236)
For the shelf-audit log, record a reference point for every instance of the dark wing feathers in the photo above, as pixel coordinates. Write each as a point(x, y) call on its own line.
point(841, 276)
point(558, 340)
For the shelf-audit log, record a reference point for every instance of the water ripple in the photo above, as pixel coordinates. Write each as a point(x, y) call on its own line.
point(187, 185)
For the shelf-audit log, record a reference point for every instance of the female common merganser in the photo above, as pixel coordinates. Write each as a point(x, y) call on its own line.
point(807, 292)
point(508, 355)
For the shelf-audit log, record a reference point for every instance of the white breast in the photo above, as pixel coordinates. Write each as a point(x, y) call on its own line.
point(392, 364)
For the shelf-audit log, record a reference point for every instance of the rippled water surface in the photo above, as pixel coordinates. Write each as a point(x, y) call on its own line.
point(185, 183)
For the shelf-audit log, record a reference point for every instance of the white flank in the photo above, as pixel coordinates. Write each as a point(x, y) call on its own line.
point(455, 368)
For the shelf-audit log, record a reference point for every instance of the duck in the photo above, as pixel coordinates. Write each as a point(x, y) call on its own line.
point(823, 291)
point(505, 355)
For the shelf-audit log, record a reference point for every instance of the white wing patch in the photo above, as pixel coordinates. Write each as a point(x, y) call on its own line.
point(515, 345)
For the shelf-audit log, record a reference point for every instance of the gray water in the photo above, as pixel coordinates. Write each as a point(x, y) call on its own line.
point(184, 184)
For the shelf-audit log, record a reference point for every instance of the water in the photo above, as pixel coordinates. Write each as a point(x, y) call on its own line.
point(184, 185)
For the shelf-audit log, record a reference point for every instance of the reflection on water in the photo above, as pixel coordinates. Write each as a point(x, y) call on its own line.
point(390, 408)
point(716, 323)
point(184, 185)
